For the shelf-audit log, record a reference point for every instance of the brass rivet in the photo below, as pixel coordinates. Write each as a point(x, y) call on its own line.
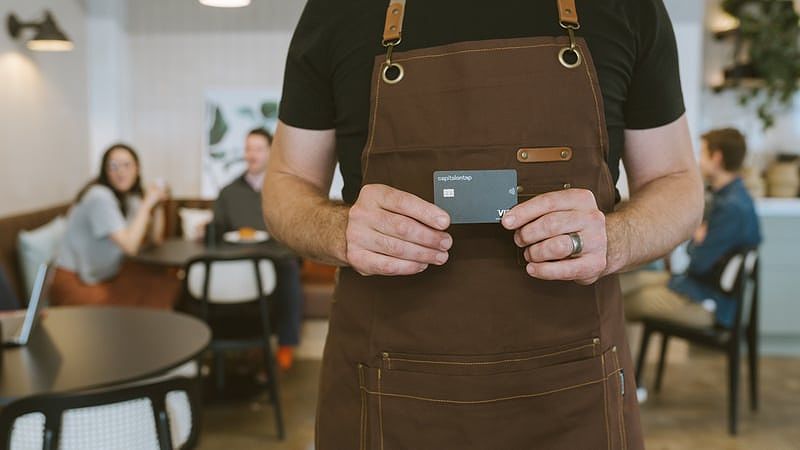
point(523, 155)
point(568, 10)
point(564, 154)
point(567, 186)
point(395, 11)
point(393, 28)
point(519, 189)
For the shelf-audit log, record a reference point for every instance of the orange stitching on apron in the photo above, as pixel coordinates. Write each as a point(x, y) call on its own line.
point(477, 50)
point(605, 402)
point(362, 436)
point(597, 110)
point(519, 47)
point(522, 47)
point(622, 431)
point(492, 400)
point(380, 406)
point(490, 362)
point(372, 124)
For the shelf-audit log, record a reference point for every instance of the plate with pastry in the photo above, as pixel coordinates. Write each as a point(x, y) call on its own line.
point(246, 235)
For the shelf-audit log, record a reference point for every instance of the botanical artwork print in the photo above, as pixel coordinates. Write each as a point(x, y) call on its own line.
point(229, 115)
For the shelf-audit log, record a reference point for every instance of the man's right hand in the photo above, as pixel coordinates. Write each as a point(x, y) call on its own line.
point(391, 232)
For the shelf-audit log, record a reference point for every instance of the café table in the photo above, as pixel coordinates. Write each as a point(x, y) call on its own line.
point(81, 348)
point(176, 252)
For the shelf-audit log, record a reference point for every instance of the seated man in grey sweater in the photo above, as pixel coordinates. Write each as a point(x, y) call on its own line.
point(239, 206)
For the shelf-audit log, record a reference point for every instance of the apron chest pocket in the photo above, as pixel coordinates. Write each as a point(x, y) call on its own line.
point(561, 398)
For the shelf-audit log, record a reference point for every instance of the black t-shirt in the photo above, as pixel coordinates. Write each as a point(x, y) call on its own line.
point(328, 70)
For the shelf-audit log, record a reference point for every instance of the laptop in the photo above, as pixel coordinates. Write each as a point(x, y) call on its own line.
point(16, 326)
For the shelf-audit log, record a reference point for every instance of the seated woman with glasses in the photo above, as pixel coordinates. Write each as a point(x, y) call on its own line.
point(112, 217)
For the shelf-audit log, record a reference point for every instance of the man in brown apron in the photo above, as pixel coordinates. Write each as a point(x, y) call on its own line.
point(476, 336)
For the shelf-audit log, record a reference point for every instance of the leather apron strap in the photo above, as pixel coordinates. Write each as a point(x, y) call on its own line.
point(393, 29)
point(393, 73)
point(568, 14)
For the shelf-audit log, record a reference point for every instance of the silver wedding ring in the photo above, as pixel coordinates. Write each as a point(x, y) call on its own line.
point(577, 244)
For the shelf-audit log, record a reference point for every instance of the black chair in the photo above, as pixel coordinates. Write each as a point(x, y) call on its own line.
point(739, 279)
point(162, 415)
point(223, 289)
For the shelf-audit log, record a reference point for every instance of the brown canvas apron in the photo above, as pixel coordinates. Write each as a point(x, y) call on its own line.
point(476, 354)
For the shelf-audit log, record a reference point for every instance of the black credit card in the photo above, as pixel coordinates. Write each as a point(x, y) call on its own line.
point(475, 196)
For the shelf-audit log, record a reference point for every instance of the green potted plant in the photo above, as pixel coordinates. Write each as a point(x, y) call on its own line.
point(768, 49)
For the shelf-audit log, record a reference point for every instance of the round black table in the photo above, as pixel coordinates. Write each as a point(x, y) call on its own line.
point(84, 347)
point(176, 252)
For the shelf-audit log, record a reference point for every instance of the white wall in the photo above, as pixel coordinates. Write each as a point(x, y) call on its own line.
point(109, 76)
point(178, 50)
point(43, 112)
point(687, 20)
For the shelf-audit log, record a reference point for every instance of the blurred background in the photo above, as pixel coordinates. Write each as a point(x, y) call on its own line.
point(186, 83)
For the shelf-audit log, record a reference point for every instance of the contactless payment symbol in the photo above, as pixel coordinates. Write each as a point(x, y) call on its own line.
point(448, 193)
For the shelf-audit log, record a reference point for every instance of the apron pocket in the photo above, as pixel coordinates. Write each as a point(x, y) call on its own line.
point(549, 404)
point(490, 364)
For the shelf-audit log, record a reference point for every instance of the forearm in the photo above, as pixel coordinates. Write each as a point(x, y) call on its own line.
point(659, 216)
point(300, 215)
point(130, 238)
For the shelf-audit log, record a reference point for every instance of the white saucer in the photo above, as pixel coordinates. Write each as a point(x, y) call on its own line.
point(235, 238)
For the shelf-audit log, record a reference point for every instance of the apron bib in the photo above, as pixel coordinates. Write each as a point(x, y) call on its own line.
point(476, 354)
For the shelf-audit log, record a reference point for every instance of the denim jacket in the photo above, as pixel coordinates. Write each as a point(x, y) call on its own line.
point(732, 224)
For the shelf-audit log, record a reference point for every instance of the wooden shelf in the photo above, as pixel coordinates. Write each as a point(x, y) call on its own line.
point(742, 83)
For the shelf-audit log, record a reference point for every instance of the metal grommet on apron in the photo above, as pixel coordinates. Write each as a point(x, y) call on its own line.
point(569, 57)
point(567, 53)
point(477, 354)
point(392, 73)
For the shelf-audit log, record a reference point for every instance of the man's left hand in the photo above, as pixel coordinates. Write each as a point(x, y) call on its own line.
point(543, 225)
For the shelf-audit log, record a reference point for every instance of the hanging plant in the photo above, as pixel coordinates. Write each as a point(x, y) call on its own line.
point(768, 48)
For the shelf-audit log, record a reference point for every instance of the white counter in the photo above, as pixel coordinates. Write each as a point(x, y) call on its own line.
point(778, 207)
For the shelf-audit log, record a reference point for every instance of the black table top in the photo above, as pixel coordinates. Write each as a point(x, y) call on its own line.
point(81, 348)
point(177, 252)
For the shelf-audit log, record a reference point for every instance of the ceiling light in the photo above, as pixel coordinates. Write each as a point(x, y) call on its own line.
point(225, 3)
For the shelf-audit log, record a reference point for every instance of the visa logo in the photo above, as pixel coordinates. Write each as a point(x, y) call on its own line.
point(501, 212)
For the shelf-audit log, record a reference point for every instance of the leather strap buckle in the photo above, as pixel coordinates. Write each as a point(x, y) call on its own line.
point(393, 29)
point(568, 14)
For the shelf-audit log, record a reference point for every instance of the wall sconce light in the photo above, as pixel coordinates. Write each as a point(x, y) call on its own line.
point(48, 37)
point(225, 3)
point(721, 23)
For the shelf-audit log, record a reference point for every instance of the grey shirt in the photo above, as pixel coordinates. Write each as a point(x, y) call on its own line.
point(87, 248)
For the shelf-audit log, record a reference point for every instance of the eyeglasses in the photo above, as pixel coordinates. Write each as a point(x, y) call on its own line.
point(115, 166)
